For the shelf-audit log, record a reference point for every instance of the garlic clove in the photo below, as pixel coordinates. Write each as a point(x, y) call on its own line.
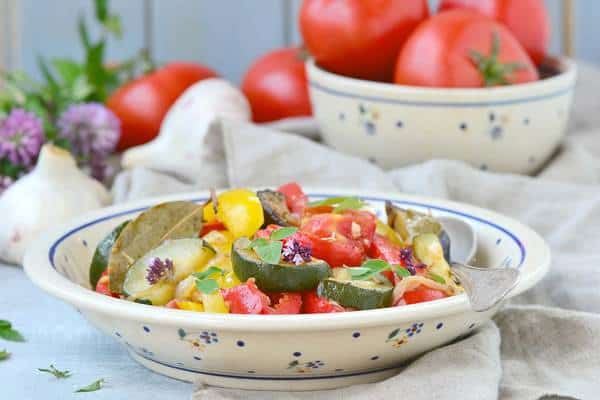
point(54, 181)
point(178, 148)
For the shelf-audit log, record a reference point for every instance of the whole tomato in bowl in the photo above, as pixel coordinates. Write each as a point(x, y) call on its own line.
point(528, 20)
point(463, 49)
point(276, 86)
point(142, 103)
point(359, 38)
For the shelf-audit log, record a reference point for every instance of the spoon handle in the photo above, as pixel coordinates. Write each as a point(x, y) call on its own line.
point(486, 287)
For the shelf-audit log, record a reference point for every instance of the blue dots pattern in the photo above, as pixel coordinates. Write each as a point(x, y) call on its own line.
point(240, 343)
point(463, 126)
point(297, 354)
point(197, 358)
point(472, 326)
point(117, 334)
point(525, 121)
point(342, 116)
point(374, 358)
point(439, 326)
point(415, 329)
point(498, 241)
point(209, 337)
point(84, 242)
point(146, 329)
point(399, 124)
point(370, 128)
point(356, 335)
point(496, 132)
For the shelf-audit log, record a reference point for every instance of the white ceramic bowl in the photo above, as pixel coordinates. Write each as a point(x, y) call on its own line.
point(505, 129)
point(286, 352)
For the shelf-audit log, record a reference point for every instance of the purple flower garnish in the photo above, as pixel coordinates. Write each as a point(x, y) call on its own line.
point(21, 137)
point(408, 260)
point(294, 252)
point(158, 269)
point(93, 131)
point(5, 182)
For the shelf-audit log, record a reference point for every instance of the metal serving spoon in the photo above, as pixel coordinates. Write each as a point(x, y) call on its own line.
point(485, 287)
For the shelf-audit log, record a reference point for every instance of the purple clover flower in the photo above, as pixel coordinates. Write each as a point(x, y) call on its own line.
point(407, 259)
point(93, 131)
point(158, 269)
point(21, 137)
point(294, 252)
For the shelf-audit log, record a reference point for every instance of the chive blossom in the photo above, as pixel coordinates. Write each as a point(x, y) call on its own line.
point(296, 253)
point(158, 269)
point(407, 259)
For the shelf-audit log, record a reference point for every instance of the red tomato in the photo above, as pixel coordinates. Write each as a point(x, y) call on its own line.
point(359, 38)
point(102, 286)
point(440, 53)
point(528, 20)
point(313, 304)
point(384, 249)
point(142, 103)
point(332, 238)
point(276, 86)
point(212, 226)
point(422, 294)
point(245, 298)
point(294, 196)
point(284, 303)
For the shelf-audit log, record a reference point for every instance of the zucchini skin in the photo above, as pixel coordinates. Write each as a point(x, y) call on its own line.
point(281, 277)
point(346, 294)
point(102, 253)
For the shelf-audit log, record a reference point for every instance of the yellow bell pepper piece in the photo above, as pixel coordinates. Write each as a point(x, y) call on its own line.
point(239, 210)
point(228, 280)
point(190, 306)
point(220, 240)
point(387, 231)
point(214, 303)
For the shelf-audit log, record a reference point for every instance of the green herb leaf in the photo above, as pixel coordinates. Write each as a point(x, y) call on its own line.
point(351, 203)
point(207, 286)
point(101, 7)
point(436, 278)
point(92, 387)
point(8, 333)
point(258, 242)
point(330, 201)
point(57, 373)
point(270, 252)
point(282, 233)
point(368, 269)
point(4, 354)
point(207, 272)
point(68, 70)
point(401, 271)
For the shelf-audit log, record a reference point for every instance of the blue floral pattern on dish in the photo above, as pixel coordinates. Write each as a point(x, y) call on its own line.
point(400, 336)
point(199, 341)
point(368, 117)
point(302, 367)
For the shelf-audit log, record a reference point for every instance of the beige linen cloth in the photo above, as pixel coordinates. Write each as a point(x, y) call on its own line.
point(544, 345)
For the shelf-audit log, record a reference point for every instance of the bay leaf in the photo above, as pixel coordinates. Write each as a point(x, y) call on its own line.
point(167, 221)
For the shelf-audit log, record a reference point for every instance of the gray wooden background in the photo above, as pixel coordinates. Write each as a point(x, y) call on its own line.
point(225, 34)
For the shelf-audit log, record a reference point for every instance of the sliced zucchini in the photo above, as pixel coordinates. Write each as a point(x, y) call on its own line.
point(188, 256)
point(281, 277)
point(102, 254)
point(410, 223)
point(362, 295)
point(275, 208)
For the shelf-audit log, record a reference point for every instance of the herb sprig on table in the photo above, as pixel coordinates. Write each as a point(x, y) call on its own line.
point(8, 333)
point(92, 387)
point(56, 372)
point(4, 355)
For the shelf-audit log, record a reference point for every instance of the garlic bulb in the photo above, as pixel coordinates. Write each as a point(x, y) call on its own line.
point(178, 149)
point(53, 192)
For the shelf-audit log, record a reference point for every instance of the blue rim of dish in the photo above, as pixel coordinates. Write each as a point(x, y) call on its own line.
point(528, 99)
point(52, 250)
point(264, 377)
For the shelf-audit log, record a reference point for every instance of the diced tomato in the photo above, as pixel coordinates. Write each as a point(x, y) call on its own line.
point(102, 286)
point(245, 298)
point(383, 248)
point(172, 304)
point(313, 304)
point(294, 196)
point(212, 226)
point(422, 294)
point(284, 303)
point(336, 252)
point(358, 226)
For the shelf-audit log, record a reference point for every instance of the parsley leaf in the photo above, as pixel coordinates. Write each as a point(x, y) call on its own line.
point(270, 252)
point(92, 387)
point(207, 286)
point(257, 243)
point(204, 284)
point(401, 271)
point(8, 333)
point(436, 278)
point(57, 373)
point(4, 354)
point(340, 203)
point(282, 233)
point(368, 269)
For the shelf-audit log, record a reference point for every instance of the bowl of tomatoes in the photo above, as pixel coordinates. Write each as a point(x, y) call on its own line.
point(463, 84)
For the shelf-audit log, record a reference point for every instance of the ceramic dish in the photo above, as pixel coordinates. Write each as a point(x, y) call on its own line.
point(505, 129)
point(279, 352)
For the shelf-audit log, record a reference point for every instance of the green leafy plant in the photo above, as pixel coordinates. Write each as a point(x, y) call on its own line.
point(56, 372)
point(269, 250)
point(340, 203)
point(92, 387)
point(206, 284)
point(8, 333)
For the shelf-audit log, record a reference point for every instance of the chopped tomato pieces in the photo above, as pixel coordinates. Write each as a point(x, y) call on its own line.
point(294, 196)
point(245, 298)
point(284, 303)
point(312, 303)
point(422, 294)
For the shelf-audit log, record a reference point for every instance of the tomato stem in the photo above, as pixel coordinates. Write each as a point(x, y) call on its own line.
point(492, 70)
